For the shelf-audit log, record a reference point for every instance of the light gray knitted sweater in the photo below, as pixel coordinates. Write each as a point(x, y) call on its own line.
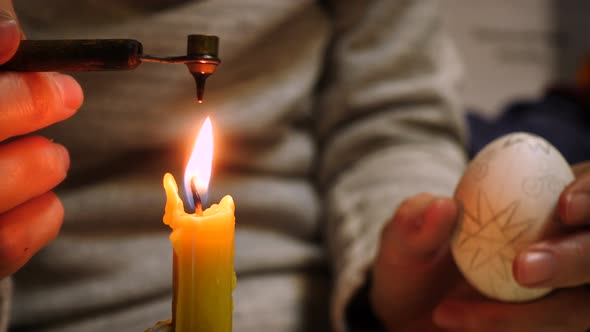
point(325, 117)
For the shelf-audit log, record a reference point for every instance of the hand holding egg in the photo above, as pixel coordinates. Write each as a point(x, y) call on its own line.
point(520, 206)
point(563, 261)
point(509, 193)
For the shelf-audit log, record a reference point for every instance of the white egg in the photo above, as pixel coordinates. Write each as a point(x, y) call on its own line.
point(509, 194)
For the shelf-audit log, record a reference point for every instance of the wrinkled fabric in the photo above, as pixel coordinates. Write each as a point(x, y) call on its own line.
point(325, 117)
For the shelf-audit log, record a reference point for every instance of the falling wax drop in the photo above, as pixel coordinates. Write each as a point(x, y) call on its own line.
point(200, 79)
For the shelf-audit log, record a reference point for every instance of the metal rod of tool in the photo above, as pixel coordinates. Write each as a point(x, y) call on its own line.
point(111, 54)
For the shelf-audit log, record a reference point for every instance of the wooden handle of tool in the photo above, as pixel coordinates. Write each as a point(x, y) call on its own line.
point(75, 55)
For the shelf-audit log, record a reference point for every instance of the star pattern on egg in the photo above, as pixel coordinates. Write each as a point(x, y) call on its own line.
point(532, 143)
point(489, 234)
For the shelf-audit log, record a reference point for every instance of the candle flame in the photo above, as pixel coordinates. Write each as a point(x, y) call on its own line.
point(198, 168)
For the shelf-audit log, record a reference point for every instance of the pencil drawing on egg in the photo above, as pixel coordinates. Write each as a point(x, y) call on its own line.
point(488, 237)
point(535, 186)
point(508, 193)
point(532, 142)
point(480, 167)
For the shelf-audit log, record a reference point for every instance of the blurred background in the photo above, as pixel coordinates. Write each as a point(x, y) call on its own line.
point(527, 67)
point(516, 49)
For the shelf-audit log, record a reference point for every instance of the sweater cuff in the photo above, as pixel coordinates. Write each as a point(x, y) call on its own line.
point(352, 276)
point(5, 299)
point(359, 314)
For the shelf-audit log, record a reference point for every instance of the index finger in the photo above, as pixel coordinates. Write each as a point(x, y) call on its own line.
point(9, 31)
point(574, 201)
point(6, 5)
point(581, 168)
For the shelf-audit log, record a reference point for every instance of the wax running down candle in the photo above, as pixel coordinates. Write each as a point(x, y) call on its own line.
point(204, 276)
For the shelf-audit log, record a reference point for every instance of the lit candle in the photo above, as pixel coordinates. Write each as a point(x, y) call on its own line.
point(203, 245)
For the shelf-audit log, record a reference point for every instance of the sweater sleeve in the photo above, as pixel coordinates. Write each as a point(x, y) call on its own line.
point(5, 299)
point(389, 126)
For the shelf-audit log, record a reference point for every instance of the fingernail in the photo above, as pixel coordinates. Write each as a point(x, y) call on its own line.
point(449, 315)
point(578, 207)
point(9, 36)
point(535, 268)
point(70, 90)
point(63, 154)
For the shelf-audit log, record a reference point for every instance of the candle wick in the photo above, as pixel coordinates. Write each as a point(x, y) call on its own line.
point(196, 198)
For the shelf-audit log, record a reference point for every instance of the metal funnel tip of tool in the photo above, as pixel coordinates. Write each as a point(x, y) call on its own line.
point(201, 59)
point(205, 49)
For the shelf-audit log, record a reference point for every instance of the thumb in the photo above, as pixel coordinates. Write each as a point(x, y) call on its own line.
point(9, 31)
point(422, 228)
point(413, 267)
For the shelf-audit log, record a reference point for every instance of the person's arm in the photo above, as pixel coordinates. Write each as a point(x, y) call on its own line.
point(389, 127)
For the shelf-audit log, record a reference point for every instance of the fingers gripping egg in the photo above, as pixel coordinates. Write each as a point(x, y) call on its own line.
point(509, 194)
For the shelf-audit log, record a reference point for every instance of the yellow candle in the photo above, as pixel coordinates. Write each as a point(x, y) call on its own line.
point(203, 249)
point(204, 275)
